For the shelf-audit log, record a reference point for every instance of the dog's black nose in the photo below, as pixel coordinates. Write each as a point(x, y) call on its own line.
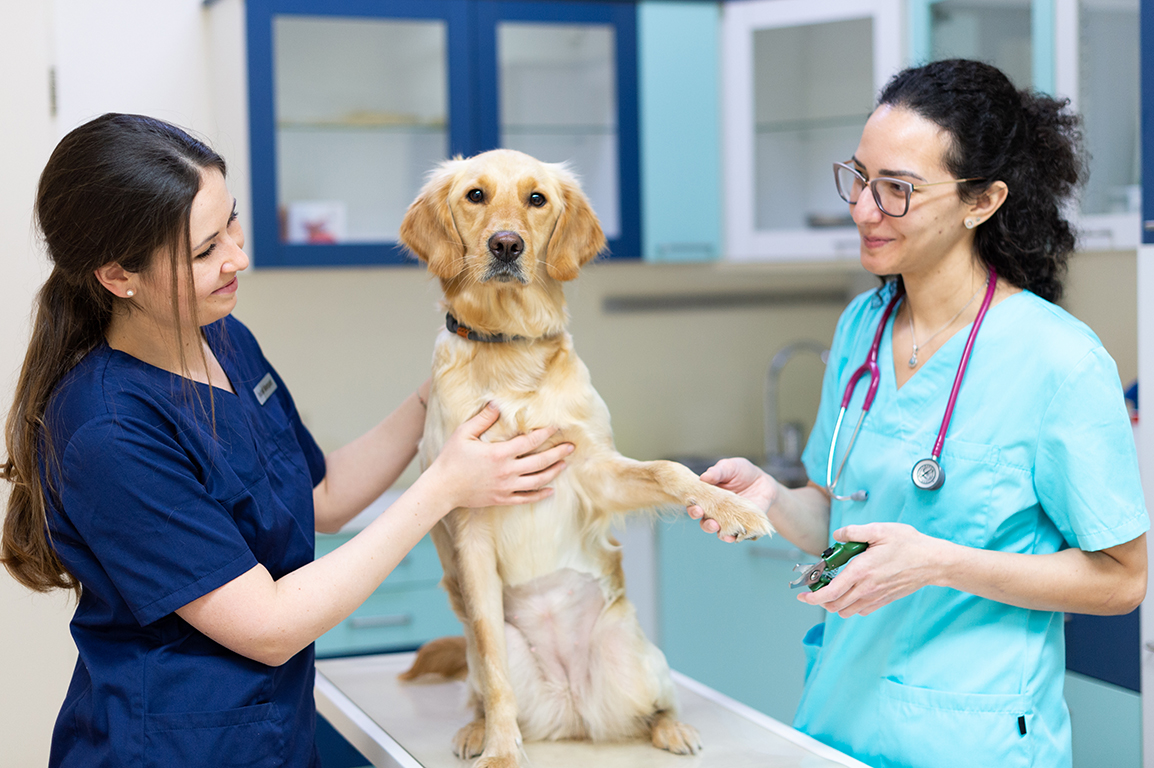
point(506, 246)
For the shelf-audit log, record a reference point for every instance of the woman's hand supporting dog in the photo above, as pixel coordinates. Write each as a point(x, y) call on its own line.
point(270, 620)
point(474, 473)
point(800, 514)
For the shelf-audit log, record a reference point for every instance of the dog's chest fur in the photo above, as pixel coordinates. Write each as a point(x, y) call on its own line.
point(534, 384)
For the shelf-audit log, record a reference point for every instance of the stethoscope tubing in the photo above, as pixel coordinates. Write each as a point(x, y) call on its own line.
point(986, 301)
point(870, 366)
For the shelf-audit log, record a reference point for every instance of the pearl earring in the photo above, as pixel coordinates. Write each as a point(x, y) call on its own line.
point(130, 293)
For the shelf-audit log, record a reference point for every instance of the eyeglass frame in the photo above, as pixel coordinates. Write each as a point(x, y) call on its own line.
point(909, 187)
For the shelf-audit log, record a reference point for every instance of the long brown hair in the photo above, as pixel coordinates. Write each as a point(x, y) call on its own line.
point(118, 189)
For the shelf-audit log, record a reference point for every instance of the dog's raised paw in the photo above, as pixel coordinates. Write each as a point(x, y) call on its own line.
point(735, 516)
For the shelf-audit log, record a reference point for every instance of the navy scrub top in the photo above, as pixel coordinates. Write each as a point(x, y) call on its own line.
point(149, 510)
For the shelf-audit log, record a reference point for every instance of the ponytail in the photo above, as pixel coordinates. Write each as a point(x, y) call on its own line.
point(62, 334)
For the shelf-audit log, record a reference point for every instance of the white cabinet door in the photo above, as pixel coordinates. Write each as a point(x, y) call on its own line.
point(799, 81)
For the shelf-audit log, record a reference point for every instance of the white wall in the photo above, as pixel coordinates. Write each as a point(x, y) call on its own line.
point(36, 652)
point(131, 55)
point(1145, 437)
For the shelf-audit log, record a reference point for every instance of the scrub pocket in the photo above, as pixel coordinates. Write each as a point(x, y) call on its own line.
point(812, 643)
point(922, 726)
point(248, 737)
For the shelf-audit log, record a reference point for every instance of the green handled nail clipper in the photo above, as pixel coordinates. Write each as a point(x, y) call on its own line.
point(817, 575)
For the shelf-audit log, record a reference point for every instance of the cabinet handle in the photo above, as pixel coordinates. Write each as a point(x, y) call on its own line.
point(788, 555)
point(375, 622)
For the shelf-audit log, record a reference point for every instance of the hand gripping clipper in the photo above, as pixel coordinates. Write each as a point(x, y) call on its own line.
point(817, 575)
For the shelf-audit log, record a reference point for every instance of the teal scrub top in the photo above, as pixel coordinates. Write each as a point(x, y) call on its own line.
point(1039, 457)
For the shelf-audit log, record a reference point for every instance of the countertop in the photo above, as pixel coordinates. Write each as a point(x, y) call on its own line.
point(410, 725)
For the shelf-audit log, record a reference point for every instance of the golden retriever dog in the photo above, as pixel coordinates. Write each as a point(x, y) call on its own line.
point(553, 647)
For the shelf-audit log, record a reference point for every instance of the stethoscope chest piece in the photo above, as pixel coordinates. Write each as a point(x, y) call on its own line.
point(929, 475)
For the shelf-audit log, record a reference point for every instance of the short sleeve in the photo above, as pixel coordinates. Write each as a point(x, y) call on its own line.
point(1086, 469)
point(134, 496)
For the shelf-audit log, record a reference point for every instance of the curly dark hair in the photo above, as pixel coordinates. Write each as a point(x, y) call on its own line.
point(1026, 139)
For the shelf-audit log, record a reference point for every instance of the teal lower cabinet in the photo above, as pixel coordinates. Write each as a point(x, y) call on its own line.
point(408, 609)
point(728, 618)
point(1106, 720)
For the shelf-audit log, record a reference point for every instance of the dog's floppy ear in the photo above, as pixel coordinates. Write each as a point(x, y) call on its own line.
point(428, 229)
point(577, 237)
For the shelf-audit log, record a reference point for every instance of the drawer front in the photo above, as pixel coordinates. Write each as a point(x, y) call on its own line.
point(420, 564)
point(392, 619)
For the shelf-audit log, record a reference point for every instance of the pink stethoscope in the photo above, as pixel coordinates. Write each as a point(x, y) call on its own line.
point(928, 473)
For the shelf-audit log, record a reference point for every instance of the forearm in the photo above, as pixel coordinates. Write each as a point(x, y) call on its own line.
point(801, 515)
point(361, 471)
point(1104, 583)
point(270, 621)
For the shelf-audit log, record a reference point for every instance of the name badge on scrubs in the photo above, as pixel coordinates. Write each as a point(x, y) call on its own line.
point(264, 389)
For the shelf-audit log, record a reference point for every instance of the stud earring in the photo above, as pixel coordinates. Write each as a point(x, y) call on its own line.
point(970, 223)
point(130, 293)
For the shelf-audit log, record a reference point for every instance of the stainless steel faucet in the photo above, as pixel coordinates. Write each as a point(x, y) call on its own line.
point(783, 441)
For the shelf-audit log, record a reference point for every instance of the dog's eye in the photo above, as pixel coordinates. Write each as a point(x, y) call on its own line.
point(536, 200)
point(476, 195)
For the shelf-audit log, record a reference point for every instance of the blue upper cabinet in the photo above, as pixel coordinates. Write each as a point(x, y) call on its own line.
point(1147, 125)
point(352, 102)
point(565, 89)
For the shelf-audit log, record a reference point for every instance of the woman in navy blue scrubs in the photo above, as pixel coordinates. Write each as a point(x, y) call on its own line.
point(160, 469)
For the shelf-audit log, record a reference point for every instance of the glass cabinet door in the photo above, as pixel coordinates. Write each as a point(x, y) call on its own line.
point(1108, 98)
point(1084, 50)
point(558, 103)
point(565, 90)
point(361, 116)
point(351, 103)
point(798, 84)
point(813, 91)
point(995, 31)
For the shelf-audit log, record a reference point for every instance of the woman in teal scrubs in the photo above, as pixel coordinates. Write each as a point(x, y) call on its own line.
point(160, 469)
point(943, 644)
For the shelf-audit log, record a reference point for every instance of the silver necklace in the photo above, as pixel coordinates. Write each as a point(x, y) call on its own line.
point(913, 361)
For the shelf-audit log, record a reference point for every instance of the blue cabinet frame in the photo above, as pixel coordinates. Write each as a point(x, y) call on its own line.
point(1147, 95)
point(474, 106)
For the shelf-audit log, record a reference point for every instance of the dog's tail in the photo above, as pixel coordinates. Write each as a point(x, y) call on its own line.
point(444, 658)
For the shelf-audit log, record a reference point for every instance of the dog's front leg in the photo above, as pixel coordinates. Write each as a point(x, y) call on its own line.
point(618, 484)
point(482, 591)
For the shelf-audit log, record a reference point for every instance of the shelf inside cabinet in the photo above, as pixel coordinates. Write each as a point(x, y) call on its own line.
point(809, 124)
point(322, 126)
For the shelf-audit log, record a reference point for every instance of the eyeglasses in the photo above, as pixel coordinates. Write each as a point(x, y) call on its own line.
point(891, 195)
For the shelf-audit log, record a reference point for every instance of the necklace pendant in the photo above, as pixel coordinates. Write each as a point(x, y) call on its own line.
point(913, 361)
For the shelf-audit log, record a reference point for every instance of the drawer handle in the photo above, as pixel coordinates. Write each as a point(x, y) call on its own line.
point(375, 622)
point(788, 555)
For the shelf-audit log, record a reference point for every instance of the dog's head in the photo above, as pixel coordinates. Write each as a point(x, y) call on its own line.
point(501, 216)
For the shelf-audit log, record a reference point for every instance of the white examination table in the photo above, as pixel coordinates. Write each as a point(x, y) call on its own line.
point(397, 725)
